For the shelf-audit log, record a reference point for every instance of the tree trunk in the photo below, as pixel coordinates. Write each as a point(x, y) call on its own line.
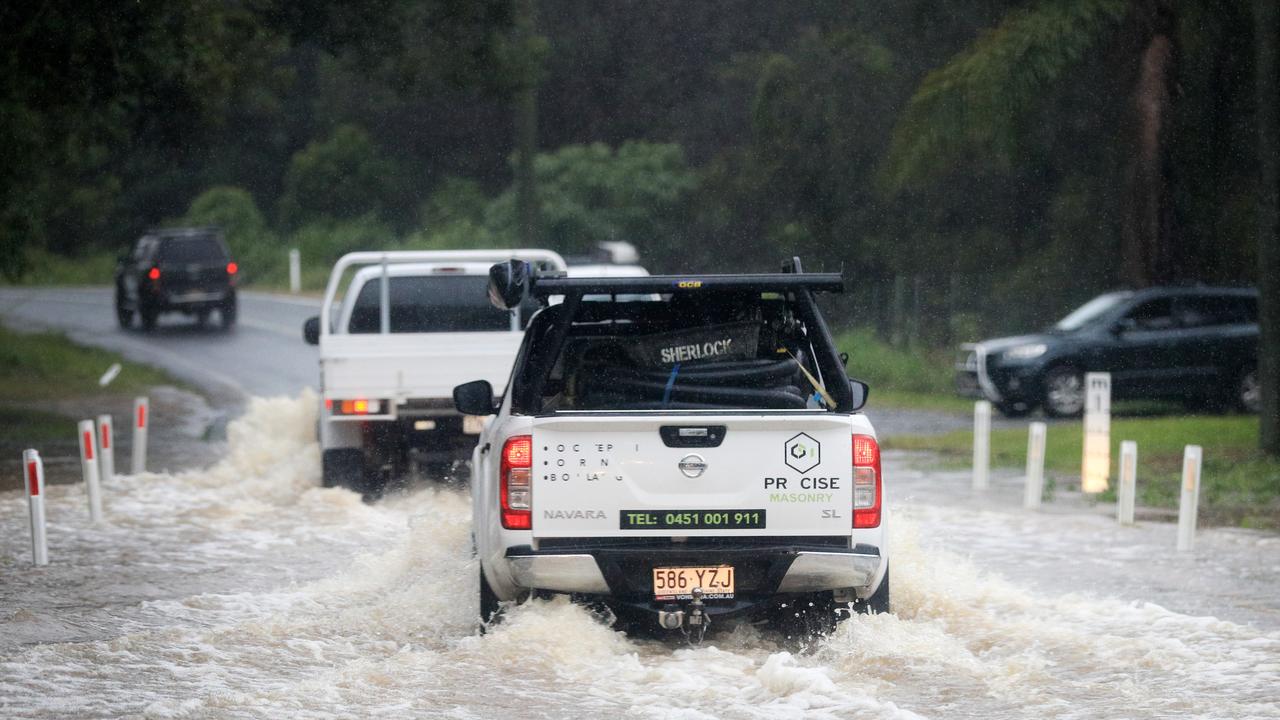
point(1145, 243)
point(526, 126)
point(1266, 29)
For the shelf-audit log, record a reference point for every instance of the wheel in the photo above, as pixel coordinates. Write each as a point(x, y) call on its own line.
point(490, 607)
point(148, 315)
point(228, 312)
point(124, 316)
point(878, 602)
point(1248, 394)
point(1015, 409)
point(202, 317)
point(806, 616)
point(343, 467)
point(1063, 392)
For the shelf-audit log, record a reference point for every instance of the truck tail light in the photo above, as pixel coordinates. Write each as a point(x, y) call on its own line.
point(154, 273)
point(866, 482)
point(357, 406)
point(516, 482)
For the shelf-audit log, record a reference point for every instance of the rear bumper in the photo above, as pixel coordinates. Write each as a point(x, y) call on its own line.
point(625, 572)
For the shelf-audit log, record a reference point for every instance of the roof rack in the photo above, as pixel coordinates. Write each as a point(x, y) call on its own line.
point(558, 284)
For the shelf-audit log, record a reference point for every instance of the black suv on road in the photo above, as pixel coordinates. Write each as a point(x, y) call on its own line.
point(185, 270)
point(1198, 345)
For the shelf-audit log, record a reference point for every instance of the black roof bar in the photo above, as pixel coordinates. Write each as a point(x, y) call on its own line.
point(544, 285)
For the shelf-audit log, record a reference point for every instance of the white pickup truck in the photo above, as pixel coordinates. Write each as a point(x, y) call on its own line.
point(680, 449)
point(408, 327)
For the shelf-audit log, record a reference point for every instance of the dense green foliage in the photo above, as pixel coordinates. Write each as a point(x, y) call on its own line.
point(973, 166)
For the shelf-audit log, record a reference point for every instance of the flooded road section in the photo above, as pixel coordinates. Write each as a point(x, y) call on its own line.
point(245, 590)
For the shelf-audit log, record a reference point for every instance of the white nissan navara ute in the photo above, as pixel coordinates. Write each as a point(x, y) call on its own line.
point(679, 450)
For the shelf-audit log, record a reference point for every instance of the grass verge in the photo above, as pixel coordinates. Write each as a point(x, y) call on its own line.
point(1240, 486)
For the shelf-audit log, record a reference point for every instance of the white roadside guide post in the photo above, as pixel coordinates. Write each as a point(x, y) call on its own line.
point(1035, 466)
point(295, 271)
point(141, 416)
point(1190, 503)
point(1096, 465)
point(33, 466)
point(981, 445)
point(89, 466)
point(106, 449)
point(1128, 482)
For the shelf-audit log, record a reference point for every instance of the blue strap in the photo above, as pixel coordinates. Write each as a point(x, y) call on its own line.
point(671, 381)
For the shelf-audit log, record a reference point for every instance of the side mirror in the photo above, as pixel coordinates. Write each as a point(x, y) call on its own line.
point(860, 392)
point(509, 283)
point(311, 330)
point(474, 398)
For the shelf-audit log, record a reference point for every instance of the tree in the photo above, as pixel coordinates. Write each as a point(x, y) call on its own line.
point(1267, 74)
point(340, 177)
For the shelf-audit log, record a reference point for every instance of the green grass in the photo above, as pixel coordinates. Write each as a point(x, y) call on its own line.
point(1239, 484)
point(915, 379)
point(47, 366)
point(46, 268)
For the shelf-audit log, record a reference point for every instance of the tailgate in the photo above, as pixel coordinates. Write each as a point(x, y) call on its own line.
point(680, 475)
point(414, 365)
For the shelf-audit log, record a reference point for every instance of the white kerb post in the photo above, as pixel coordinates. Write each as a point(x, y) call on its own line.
point(1096, 465)
point(1128, 482)
point(1035, 466)
point(106, 449)
point(141, 416)
point(295, 271)
point(1190, 503)
point(33, 466)
point(981, 445)
point(89, 466)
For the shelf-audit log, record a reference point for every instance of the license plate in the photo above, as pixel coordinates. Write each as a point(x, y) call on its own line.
point(677, 583)
point(472, 424)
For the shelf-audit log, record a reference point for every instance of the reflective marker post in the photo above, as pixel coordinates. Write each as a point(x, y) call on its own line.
point(1128, 482)
point(1035, 466)
point(33, 466)
point(1189, 506)
point(106, 449)
point(981, 445)
point(1096, 466)
point(89, 466)
point(295, 271)
point(141, 416)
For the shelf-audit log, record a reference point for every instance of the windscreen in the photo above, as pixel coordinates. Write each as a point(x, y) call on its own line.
point(1091, 311)
point(192, 250)
point(429, 304)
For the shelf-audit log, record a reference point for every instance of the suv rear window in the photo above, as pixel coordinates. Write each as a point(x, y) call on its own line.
point(429, 304)
point(191, 250)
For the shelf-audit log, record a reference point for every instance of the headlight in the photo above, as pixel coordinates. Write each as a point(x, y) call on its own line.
point(1026, 352)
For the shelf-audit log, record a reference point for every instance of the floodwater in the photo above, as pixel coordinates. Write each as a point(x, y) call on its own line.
point(247, 591)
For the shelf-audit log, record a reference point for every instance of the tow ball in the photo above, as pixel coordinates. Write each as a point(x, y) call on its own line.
point(692, 621)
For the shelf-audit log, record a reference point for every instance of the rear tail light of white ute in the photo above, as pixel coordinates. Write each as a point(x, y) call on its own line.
point(516, 482)
point(866, 482)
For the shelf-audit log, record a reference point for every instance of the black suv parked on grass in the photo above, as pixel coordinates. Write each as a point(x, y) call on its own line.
point(185, 270)
point(1194, 344)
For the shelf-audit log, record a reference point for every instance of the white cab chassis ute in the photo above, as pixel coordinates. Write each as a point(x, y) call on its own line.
point(409, 326)
point(680, 450)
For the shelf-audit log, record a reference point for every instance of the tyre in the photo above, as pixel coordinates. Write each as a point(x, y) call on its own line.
point(1248, 391)
point(124, 316)
point(148, 314)
point(490, 608)
point(1015, 409)
point(1063, 392)
point(878, 602)
point(343, 467)
point(228, 312)
point(806, 616)
point(202, 317)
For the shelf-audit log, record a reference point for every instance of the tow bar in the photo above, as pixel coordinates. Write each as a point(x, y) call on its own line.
point(691, 623)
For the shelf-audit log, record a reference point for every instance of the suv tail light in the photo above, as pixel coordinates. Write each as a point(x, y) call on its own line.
point(516, 483)
point(154, 273)
point(866, 482)
point(232, 268)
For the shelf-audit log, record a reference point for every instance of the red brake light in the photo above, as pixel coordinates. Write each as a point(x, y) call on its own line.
point(154, 273)
point(232, 268)
point(866, 482)
point(358, 406)
point(515, 483)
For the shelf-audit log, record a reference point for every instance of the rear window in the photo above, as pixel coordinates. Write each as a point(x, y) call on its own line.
point(436, 303)
point(199, 249)
point(685, 353)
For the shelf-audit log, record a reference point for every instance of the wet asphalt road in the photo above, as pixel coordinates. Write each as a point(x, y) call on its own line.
point(264, 355)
